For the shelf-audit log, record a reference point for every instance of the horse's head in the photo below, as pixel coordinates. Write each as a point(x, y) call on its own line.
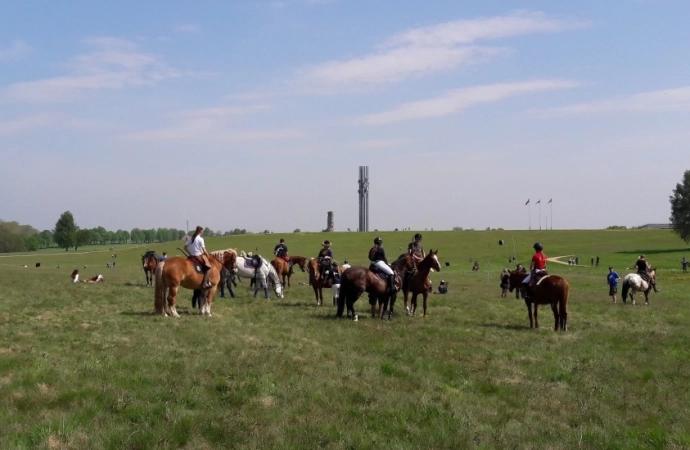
point(313, 267)
point(433, 260)
point(302, 263)
point(515, 279)
point(230, 260)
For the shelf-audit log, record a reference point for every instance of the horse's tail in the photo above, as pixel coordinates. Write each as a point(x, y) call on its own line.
point(160, 290)
point(626, 288)
point(344, 292)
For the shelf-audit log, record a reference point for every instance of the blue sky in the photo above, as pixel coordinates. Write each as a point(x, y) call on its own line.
point(257, 114)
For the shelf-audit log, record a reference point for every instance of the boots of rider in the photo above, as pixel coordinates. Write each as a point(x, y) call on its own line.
point(391, 284)
point(206, 283)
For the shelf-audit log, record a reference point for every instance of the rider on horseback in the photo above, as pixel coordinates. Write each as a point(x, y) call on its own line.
point(281, 251)
point(324, 258)
point(643, 269)
point(416, 249)
point(197, 251)
point(377, 256)
point(537, 266)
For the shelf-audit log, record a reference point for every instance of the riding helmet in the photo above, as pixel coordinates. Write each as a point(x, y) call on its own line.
point(418, 236)
point(538, 247)
point(282, 240)
point(378, 240)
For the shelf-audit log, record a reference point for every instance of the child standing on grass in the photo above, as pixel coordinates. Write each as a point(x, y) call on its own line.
point(612, 279)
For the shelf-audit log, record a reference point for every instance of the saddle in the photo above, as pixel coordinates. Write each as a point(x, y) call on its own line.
point(379, 273)
point(250, 263)
point(198, 267)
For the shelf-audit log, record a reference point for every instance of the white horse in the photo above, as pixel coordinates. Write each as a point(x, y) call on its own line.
point(635, 283)
point(263, 274)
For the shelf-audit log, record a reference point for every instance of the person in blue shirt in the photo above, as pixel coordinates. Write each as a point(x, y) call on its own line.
point(612, 279)
point(164, 257)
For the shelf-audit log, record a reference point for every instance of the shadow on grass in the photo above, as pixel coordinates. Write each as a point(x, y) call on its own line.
point(505, 327)
point(300, 304)
point(654, 251)
point(129, 283)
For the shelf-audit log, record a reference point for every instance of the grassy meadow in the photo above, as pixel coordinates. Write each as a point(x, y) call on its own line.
point(88, 366)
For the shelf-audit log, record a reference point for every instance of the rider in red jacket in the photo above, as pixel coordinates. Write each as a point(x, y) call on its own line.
point(537, 265)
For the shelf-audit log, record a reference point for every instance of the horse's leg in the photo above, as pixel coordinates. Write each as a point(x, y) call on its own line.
point(209, 300)
point(564, 315)
point(554, 308)
point(390, 310)
point(425, 294)
point(172, 293)
point(536, 315)
point(407, 308)
point(528, 303)
point(414, 303)
point(316, 293)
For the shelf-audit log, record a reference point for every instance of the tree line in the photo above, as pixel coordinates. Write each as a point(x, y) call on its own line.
point(15, 237)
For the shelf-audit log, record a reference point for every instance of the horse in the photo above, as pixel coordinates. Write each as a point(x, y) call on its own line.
point(263, 274)
point(357, 280)
point(633, 282)
point(420, 282)
point(149, 261)
point(179, 271)
point(548, 290)
point(316, 282)
point(284, 269)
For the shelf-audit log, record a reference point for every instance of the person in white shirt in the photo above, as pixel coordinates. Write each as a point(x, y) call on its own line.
point(345, 265)
point(197, 250)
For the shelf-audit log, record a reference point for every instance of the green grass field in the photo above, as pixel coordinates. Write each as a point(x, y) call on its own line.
point(89, 366)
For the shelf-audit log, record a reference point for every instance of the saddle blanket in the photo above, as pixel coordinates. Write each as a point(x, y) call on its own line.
point(542, 279)
point(250, 263)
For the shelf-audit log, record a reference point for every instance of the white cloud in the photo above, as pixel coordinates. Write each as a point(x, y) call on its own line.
point(188, 28)
point(458, 99)
point(112, 64)
point(675, 99)
point(46, 120)
point(426, 50)
point(15, 50)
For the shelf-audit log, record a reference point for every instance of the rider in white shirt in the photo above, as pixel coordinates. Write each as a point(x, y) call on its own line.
point(196, 248)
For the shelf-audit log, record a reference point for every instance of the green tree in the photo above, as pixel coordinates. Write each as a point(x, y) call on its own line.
point(83, 238)
point(33, 242)
point(46, 239)
point(65, 234)
point(680, 208)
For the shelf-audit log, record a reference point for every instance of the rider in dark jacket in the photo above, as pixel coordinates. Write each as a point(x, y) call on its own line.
point(377, 256)
point(643, 269)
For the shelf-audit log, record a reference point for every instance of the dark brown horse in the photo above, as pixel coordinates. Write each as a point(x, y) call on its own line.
point(300, 261)
point(357, 280)
point(317, 283)
point(420, 282)
point(149, 261)
point(178, 271)
point(549, 290)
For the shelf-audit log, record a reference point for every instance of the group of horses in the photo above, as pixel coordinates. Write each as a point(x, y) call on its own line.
point(410, 277)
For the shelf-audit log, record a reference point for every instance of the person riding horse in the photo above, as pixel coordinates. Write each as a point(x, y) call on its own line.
point(379, 263)
point(197, 251)
point(643, 269)
point(324, 258)
point(281, 251)
point(537, 267)
point(416, 249)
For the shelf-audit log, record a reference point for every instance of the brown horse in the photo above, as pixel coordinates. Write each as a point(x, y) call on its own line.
point(178, 271)
point(300, 261)
point(420, 282)
point(149, 261)
point(357, 280)
point(549, 290)
point(284, 269)
point(316, 282)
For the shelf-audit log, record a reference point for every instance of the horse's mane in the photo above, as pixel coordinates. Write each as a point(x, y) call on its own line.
point(218, 254)
point(148, 254)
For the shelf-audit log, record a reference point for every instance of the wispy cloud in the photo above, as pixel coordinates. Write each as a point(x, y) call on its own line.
point(427, 50)
point(675, 99)
point(188, 28)
point(216, 124)
point(458, 99)
point(111, 64)
point(16, 50)
point(377, 144)
point(46, 120)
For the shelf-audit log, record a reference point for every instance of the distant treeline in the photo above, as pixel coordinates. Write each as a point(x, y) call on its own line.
point(15, 237)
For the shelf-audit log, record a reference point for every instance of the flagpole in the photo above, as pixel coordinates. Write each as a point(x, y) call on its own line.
point(539, 214)
point(551, 203)
point(529, 208)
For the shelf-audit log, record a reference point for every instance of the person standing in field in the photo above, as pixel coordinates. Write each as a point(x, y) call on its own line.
point(597, 263)
point(684, 264)
point(505, 283)
point(612, 279)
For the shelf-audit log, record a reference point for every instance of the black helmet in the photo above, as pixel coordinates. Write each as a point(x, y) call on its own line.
point(538, 247)
point(418, 236)
point(282, 240)
point(377, 240)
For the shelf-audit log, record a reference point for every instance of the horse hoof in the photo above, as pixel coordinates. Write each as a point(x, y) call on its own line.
point(356, 318)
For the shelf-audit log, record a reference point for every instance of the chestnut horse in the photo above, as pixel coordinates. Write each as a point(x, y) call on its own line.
point(316, 282)
point(149, 261)
point(300, 261)
point(420, 282)
point(549, 290)
point(357, 280)
point(178, 271)
point(284, 269)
